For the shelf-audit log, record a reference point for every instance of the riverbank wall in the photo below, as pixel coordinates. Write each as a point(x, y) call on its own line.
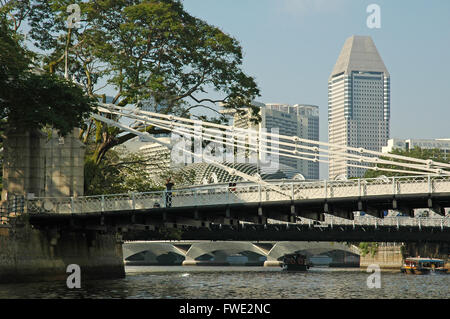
point(392, 256)
point(31, 255)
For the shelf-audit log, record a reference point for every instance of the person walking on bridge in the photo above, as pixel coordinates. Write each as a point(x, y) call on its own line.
point(169, 186)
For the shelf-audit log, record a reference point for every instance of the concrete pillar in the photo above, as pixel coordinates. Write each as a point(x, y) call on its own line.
point(44, 166)
point(23, 166)
point(189, 262)
point(272, 263)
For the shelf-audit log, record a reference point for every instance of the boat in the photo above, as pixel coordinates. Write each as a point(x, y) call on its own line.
point(295, 262)
point(420, 266)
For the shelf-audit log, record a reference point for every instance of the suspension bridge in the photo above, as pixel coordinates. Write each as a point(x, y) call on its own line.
point(88, 230)
point(257, 201)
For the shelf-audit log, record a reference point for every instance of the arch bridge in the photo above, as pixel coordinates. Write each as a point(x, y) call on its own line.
point(216, 253)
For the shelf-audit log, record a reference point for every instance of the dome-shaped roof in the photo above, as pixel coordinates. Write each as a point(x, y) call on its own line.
point(205, 172)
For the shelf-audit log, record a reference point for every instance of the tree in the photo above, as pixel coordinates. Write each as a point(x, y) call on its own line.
point(416, 152)
point(30, 100)
point(122, 172)
point(149, 51)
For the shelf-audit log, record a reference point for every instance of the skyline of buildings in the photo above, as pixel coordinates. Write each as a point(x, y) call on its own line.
point(359, 112)
point(358, 103)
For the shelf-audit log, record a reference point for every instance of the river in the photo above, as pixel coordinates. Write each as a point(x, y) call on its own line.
point(147, 282)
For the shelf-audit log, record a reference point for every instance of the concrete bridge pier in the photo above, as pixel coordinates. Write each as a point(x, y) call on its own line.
point(189, 262)
point(272, 263)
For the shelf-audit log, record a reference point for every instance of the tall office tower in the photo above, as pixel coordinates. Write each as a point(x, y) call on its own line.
point(298, 120)
point(358, 103)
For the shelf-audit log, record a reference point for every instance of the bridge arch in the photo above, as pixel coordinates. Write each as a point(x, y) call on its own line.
point(190, 253)
point(221, 248)
point(282, 248)
point(152, 252)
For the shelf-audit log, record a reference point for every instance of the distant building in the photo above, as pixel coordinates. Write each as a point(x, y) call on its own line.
point(358, 103)
point(291, 120)
point(205, 173)
point(159, 156)
point(409, 144)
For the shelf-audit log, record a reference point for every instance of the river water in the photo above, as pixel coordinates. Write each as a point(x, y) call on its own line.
point(145, 282)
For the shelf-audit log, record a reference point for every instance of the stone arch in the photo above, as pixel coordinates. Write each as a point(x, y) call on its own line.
point(282, 248)
point(150, 252)
point(200, 249)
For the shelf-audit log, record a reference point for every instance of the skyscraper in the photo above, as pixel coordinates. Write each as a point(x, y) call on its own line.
point(358, 103)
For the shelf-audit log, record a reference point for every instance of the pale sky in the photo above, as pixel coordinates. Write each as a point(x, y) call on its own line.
point(291, 46)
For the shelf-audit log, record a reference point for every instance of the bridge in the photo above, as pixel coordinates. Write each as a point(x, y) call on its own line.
point(296, 204)
point(266, 253)
point(250, 210)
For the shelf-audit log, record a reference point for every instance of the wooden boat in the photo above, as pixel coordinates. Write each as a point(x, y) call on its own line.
point(295, 262)
point(420, 266)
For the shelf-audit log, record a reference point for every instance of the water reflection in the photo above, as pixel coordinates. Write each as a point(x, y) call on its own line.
point(239, 282)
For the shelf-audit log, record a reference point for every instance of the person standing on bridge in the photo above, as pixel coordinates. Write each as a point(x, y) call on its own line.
point(169, 186)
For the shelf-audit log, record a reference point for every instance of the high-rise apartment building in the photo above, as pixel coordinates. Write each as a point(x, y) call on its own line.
point(291, 120)
point(358, 103)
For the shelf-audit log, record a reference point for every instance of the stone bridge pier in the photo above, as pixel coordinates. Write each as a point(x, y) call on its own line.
point(38, 165)
point(28, 254)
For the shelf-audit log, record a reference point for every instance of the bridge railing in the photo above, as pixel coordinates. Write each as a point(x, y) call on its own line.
point(92, 204)
point(333, 221)
point(242, 193)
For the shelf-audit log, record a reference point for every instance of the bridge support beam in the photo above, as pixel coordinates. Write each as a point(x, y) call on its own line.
point(191, 222)
point(435, 207)
point(312, 215)
point(339, 212)
point(342, 213)
point(260, 220)
point(224, 221)
point(402, 209)
point(375, 212)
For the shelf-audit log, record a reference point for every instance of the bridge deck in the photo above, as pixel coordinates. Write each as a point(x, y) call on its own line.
point(366, 189)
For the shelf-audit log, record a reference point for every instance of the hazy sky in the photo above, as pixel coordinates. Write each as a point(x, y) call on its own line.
point(291, 46)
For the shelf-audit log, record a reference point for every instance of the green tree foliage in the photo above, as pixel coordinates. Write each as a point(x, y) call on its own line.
point(122, 172)
point(29, 100)
point(118, 174)
point(417, 152)
point(368, 248)
point(149, 51)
